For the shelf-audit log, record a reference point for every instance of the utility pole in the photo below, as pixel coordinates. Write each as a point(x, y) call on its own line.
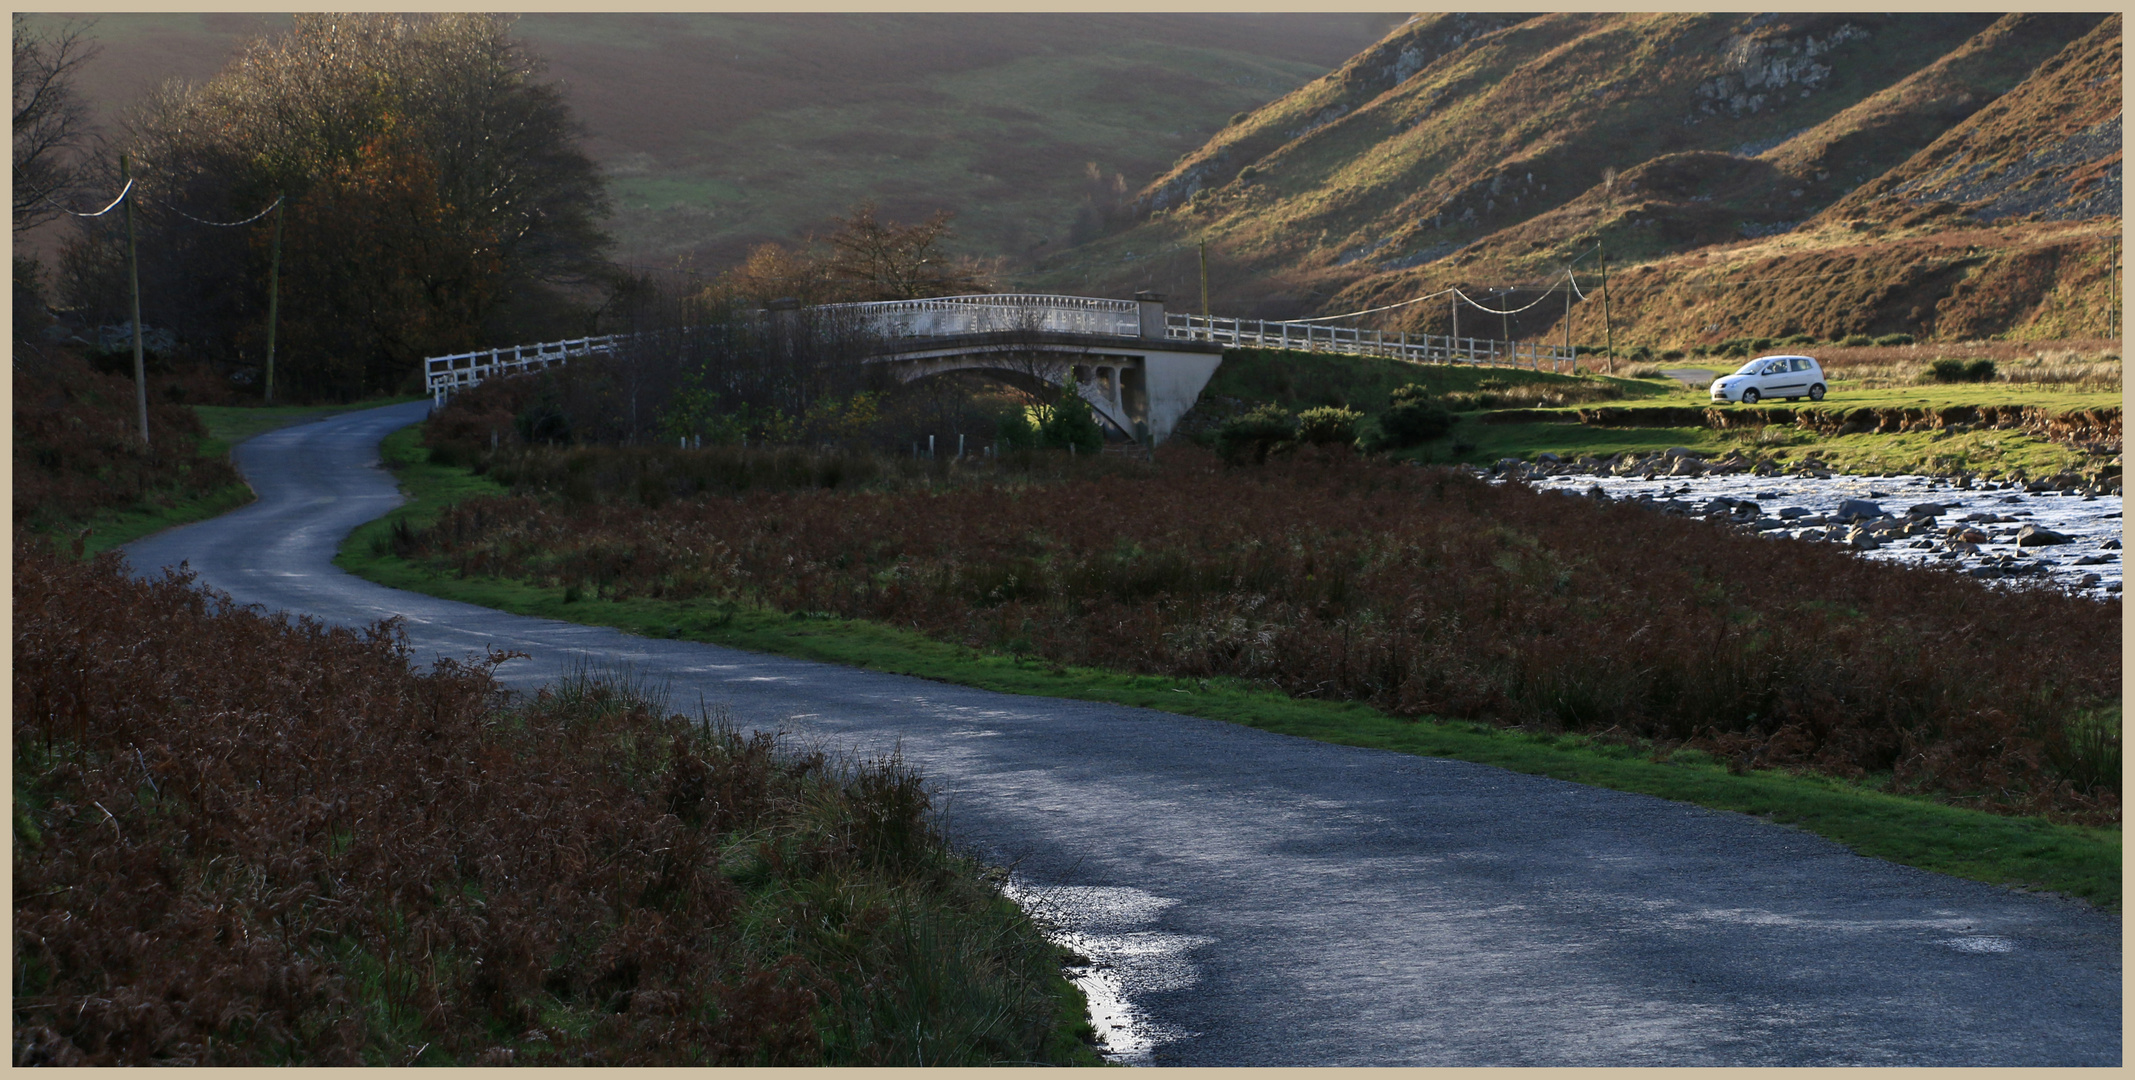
point(274, 294)
point(133, 275)
point(1568, 321)
point(2114, 331)
point(1504, 304)
point(1206, 324)
point(1453, 302)
point(1608, 202)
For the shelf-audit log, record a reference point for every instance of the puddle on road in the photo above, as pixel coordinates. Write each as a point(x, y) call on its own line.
point(1980, 944)
point(1109, 927)
point(2090, 522)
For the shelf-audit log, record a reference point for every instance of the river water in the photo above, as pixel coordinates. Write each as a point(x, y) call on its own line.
point(2089, 566)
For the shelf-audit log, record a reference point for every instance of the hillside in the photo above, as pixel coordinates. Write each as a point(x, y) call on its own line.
point(724, 130)
point(1491, 151)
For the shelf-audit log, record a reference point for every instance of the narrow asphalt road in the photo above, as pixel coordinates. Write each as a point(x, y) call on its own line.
point(1267, 900)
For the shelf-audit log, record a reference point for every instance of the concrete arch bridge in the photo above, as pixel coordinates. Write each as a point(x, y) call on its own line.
point(1140, 368)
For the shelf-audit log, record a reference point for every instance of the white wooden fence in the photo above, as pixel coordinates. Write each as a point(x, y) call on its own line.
point(1416, 348)
point(462, 370)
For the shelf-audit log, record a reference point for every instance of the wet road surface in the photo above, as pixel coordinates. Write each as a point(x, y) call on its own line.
point(1259, 899)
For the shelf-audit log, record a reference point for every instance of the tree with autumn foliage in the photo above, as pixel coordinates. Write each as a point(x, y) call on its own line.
point(436, 200)
point(866, 258)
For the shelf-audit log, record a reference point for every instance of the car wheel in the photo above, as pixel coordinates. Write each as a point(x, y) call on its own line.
point(1816, 393)
point(1749, 396)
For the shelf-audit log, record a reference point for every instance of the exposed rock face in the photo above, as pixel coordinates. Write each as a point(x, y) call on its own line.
point(1759, 70)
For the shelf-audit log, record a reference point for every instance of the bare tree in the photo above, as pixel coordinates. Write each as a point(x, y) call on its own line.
point(880, 260)
point(51, 123)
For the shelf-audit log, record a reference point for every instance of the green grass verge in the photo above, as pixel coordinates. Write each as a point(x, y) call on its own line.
point(2031, 853)
point(1301, 380)
point(227, 426)
point(1989, 453)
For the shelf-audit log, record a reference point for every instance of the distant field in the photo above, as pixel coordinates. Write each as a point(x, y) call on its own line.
point(724, 130)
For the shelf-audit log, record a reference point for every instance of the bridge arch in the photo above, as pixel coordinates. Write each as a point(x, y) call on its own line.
point(1137, 379)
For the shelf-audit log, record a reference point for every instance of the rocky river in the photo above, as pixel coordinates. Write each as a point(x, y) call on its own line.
point(2011, 534)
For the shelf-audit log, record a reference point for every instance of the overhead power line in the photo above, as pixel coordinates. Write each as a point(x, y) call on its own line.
point(114, 202)
point(225, 224)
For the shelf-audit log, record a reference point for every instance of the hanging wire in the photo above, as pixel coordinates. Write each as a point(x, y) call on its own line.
point(1547, 289)
point(121, 198)
point(225, 224)
point(1574, 279)
point(1371, 311)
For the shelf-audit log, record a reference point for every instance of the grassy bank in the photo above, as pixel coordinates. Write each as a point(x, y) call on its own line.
point(1300, 380)
point(225, 427)
point(322, 857)
point(1904, 828)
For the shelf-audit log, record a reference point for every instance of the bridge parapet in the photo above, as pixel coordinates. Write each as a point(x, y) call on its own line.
point(1415, 348)
point(996, 313)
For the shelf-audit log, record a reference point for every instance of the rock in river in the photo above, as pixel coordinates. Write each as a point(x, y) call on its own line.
point(1856, 509)
point(2034, 536)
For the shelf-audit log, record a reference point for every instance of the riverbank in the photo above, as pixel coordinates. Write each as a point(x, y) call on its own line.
point(2005, 532)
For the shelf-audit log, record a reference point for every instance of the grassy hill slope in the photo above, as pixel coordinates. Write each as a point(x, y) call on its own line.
point(1490, 152)
point(725, 130)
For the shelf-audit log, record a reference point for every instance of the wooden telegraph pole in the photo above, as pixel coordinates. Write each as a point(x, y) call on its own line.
point(1206, 324)
point(1568, 321)
point(1608, 201)
point(274, 294)
point(133, 275)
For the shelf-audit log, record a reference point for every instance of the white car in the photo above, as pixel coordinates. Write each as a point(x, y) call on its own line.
point(1790, 377)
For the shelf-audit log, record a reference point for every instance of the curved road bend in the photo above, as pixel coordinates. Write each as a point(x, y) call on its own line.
point(1268, 900)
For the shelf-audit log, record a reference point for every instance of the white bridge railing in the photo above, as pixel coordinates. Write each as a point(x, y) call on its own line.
point(1415, 348)
point(444, 374)
point(948, 316)
point(951, 316)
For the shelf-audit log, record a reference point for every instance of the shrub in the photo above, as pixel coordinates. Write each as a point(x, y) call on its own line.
point(1950, 370)
point(1856, 340)
point(78, 447)
point(319, 856)
point(1328, 424)
point(1068, 424)
point(1671, 354)
point(1409, 392)
point(1251, 436)
point(1413, 422)
point(1894, 339)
